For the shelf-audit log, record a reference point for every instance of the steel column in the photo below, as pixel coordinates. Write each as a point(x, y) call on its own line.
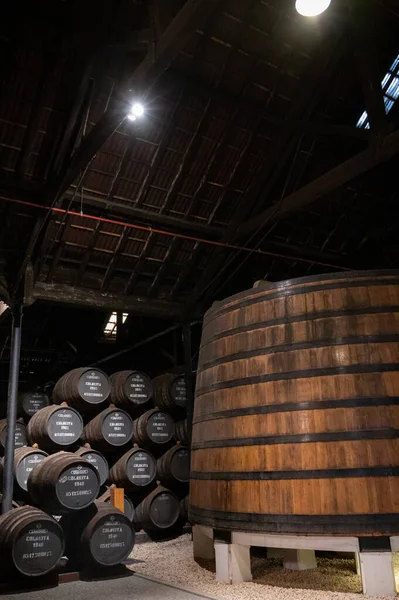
point(188, 371)
point(8, 472)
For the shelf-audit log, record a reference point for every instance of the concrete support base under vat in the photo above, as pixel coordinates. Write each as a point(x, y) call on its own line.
point(376, 569)
point(203, 542)
point(233, 557)
point(299, 560)
point(233, 563)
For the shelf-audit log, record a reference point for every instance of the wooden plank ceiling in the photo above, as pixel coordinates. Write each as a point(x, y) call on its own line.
point(249, 137)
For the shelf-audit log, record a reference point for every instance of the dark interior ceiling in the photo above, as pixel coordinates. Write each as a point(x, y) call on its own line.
point(249, 140)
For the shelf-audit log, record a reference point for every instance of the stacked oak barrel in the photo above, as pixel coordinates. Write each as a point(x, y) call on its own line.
point(125, 431)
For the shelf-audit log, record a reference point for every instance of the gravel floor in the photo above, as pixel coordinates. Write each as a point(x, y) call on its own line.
point(173, 562)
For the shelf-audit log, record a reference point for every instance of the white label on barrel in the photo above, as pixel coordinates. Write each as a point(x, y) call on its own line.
point(93, 387)
point(117, 428)
point(32, 402)
point(99, 463)
point(20, 436)
point(179, 391)
point(160, 427)
point(65, 427)
point(78, 486)
point(141, 468)
point(112, 540)
point(26, 466)
point(138, 388)
point(38, 548)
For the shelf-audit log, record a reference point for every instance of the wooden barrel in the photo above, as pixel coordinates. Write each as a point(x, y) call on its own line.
point(131, 390)
point(98, 461)
point(181, 432)
point(170, 393)
point(173, 468)
point(112, 428)
point(31, 542)
point(100, 536)
point(153, 428)
point(134, 471)
point(63, 483)
point(85, 389)
point(184, 509)
point(25, 460)
point(296, 423)
point(55, 427)
point(128, 504)
point(30, 402)
point(20, 434)
point(159, 510)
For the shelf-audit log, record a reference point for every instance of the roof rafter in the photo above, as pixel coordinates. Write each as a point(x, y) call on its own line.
point(309, 92)
point(88, 298)
point(330, 181)
point(191, 16)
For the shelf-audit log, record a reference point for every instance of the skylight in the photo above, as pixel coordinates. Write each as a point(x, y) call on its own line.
point(390, 87)
point(111, 327)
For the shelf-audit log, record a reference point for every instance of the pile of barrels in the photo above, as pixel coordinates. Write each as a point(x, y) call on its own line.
point(99, 432)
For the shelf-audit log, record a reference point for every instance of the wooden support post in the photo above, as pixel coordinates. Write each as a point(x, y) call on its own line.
point(118, 498)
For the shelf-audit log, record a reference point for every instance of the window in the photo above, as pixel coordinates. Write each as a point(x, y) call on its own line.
point(390, 87)
point(111, 327)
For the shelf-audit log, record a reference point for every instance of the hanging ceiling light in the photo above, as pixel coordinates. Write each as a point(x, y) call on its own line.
point(136, 111)
point(311, 8)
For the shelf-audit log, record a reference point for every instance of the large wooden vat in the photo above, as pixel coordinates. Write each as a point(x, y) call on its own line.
point(296, 419)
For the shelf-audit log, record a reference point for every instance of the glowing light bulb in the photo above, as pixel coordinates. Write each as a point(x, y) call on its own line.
point(137, 109)
point(311, 8)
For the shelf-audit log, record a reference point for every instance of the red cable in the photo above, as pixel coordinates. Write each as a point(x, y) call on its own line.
point(170, 234)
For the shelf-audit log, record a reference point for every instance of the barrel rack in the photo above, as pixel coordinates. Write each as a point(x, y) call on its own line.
point(231, 551)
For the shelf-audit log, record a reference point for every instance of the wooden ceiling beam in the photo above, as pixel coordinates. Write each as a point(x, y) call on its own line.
point(89, 298)
point(168, 131)
point(149, 217)
point(115, 259)
point(191, 16)
point(330, 181)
